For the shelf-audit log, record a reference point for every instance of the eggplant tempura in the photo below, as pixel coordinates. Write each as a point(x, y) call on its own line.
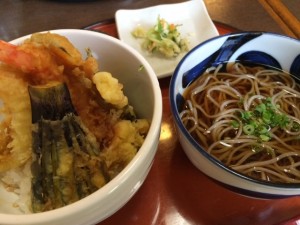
point(66, 128)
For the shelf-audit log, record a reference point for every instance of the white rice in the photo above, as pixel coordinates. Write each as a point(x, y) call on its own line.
point(15, 190)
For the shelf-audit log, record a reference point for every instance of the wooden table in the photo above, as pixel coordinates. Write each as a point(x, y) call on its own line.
point(21, 17)
point(175, 192)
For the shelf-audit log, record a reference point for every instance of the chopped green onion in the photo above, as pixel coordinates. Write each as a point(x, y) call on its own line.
point(264, 137)
point(141, 67)
point(295, 127)
point(262, 118)
point(246, 115)
point(235, 124)
point(248, 129)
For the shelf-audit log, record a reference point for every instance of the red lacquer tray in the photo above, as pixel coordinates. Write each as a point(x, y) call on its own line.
point(176, 193)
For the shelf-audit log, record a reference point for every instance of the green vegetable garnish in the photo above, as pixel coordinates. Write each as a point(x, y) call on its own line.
point(163, 38)
point(141, 67)
point(262, 118)
point(295, 127)
point(248, 129)
point(235, 124)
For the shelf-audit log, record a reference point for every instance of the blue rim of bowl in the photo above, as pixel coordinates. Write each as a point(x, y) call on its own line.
point(200, 149)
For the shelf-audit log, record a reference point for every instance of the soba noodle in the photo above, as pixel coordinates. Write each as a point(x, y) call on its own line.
point(249, 119)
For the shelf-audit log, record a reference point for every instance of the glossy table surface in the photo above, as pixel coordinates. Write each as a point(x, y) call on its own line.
point(175, 192)
point(20, 17)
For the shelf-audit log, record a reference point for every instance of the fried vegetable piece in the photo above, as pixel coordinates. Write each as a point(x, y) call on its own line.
point(65, 53)
point(66, 164)
point(128, 138)
point(15, 122)
point(110, 89)
point(60, 46)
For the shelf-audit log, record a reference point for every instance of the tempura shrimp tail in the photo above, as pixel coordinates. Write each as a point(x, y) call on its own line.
point(31, 59)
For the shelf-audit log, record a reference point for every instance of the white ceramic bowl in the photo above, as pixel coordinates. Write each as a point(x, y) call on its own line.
point(142, 89)
point(265, 48)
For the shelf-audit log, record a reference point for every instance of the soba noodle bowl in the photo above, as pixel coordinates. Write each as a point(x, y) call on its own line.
point(249, 119)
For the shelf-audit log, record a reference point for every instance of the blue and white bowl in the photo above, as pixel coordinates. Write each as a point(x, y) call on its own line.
point(258, 47)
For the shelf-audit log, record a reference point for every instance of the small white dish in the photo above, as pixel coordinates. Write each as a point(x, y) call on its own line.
point(196, 26)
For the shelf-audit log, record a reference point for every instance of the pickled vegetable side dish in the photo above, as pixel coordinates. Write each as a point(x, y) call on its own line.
point(163, 38)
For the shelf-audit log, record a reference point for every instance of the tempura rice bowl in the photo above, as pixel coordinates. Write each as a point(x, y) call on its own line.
point(261, 48)
point(142, 90)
